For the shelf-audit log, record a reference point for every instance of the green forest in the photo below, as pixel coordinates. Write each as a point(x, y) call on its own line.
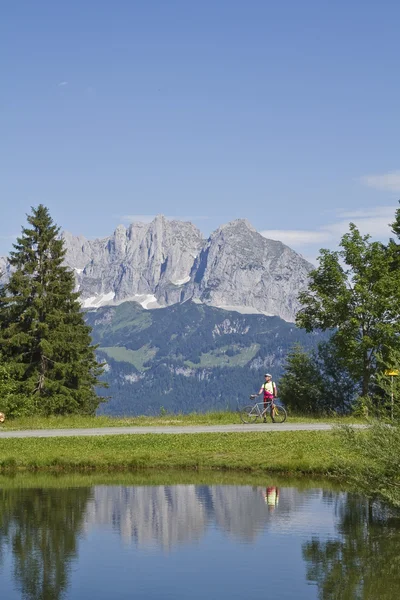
point(188, 357)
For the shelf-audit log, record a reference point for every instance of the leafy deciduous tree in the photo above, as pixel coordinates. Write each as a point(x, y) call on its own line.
point(339, 388)
point(301, 386)
point(355, 292)
point(316, 382)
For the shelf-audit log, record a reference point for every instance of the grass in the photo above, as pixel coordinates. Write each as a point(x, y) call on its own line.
point(377, 472)
point(137, 358)
point(367, 460)
point(219, 358)
point(128, 315)
point(216, 418)
point(296, 453)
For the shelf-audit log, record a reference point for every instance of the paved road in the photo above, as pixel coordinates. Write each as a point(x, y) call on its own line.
point(186, 429)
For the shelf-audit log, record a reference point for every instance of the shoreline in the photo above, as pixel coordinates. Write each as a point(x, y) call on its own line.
point(360, 459)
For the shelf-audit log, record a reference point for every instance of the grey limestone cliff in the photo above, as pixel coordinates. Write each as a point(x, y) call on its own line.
point(147, 262)
point(238, 267)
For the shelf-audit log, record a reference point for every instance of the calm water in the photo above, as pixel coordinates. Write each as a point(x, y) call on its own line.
point(195, 541)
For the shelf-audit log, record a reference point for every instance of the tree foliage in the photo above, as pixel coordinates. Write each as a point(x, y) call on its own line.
point(7, 389)
point(301, 386)
point(316, 382)
point(389, 385)
point(356, 293)
point(339, 388)
point(45, 342)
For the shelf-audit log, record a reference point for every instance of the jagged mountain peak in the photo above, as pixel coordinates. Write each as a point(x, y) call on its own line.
point(167, 261)
point(239, 269)
point(237, 226)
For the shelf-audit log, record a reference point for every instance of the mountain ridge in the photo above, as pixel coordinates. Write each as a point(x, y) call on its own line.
point(166, 262)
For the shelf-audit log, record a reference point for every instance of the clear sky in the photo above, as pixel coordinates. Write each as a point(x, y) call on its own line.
point(284, 112)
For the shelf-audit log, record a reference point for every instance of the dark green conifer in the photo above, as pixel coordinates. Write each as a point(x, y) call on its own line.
point(44, 339)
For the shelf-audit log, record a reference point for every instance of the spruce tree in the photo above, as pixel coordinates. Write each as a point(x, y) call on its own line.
point(44, 339)
point(396, 223)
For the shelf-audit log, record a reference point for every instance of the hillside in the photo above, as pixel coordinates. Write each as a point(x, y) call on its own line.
point(187, 357)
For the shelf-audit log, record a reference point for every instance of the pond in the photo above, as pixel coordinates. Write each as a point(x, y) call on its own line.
point(79, 538)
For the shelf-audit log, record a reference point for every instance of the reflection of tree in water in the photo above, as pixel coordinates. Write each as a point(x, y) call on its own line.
point(41, 527)
point(364, 561)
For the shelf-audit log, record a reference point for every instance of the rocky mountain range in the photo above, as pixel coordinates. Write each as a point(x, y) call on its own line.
point(167, 262)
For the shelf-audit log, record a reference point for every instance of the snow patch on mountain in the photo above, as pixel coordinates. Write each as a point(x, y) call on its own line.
point(181, 281)
point(97, 301)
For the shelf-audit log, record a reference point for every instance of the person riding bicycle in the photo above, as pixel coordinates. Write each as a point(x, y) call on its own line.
point(269, 389)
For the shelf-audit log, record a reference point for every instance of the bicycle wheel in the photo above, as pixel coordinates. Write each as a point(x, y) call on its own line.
point(248, 414)
point(278, 414)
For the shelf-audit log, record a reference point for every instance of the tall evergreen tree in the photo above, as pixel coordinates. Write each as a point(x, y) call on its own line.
point(396, 223)
point(43, 336)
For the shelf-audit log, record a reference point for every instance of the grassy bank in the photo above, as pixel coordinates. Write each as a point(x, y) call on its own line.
point(217, 418)
point(154, 477)
point(300, 452)
point(377, 468)
point(368, 460)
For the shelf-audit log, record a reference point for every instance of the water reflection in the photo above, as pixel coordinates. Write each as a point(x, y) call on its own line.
point(363, 561)
point(346, 547)
point(168, 515)
point(40, 528)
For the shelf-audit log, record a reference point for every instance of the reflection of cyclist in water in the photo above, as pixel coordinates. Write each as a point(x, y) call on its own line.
point(271, 497)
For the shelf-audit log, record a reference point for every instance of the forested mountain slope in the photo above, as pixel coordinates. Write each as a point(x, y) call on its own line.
point(187, 357)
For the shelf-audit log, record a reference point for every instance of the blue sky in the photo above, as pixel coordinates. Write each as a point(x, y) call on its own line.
point(285, 113)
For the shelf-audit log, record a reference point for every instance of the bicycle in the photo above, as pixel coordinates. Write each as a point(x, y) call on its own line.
point(252, 412)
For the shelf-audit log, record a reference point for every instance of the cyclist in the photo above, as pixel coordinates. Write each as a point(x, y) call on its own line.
point(269, 389)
